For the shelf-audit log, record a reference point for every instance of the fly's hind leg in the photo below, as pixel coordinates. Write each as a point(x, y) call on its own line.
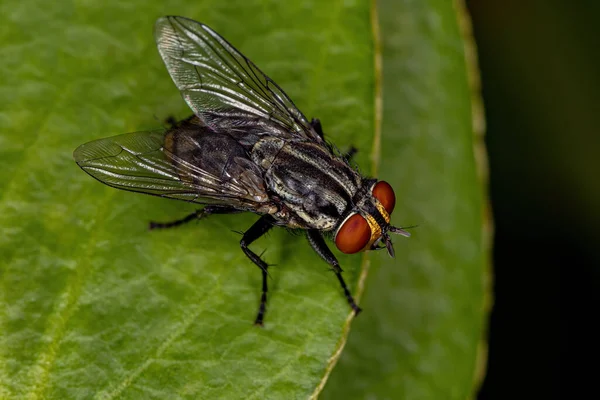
point(171, 122)
point(199, 214)
point(260, 227)
point(318, 244)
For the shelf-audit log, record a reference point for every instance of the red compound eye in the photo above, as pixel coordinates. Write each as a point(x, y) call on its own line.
point(354, 235)
point(385, 194)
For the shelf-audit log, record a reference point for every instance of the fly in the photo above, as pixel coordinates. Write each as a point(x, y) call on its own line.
point(246, 148)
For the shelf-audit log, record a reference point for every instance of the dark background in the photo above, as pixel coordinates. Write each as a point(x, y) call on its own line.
point(540, 71)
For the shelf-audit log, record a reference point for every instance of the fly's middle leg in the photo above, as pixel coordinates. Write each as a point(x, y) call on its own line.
point(199, 214)
point(260, 227)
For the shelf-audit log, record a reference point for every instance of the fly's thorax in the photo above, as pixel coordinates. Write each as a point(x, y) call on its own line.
point(265, 151)
point(315, 185)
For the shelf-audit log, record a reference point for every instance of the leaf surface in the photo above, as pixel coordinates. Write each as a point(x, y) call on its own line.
point(93, 305)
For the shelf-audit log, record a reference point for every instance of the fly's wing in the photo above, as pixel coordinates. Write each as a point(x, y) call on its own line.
point(139, 162)
point(221, 86)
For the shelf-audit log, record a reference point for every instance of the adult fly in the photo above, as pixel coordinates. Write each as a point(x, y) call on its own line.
point(246, 148)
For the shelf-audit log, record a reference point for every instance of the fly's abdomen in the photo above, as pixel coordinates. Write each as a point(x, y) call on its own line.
point(315, 185)
point(217, 157)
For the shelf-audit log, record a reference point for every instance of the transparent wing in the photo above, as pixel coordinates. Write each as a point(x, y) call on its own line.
point(139, 162)
point(223, 87)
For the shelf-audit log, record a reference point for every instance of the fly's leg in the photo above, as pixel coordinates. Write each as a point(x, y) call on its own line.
point(259, 228)
point(171, 122)
point(318, 244)
point(199, 214)
point(316, 124)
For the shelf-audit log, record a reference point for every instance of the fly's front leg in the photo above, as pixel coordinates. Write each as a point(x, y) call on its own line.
point(318, 244)
point(199, 214)
point(260, 227)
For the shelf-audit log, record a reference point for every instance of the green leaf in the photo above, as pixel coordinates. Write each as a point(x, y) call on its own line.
point(93, 305)
point(424, 311)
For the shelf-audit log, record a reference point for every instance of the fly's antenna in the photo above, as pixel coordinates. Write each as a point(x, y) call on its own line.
point(401, 231)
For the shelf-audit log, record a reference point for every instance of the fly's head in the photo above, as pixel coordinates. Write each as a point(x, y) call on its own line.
point(367, 225)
